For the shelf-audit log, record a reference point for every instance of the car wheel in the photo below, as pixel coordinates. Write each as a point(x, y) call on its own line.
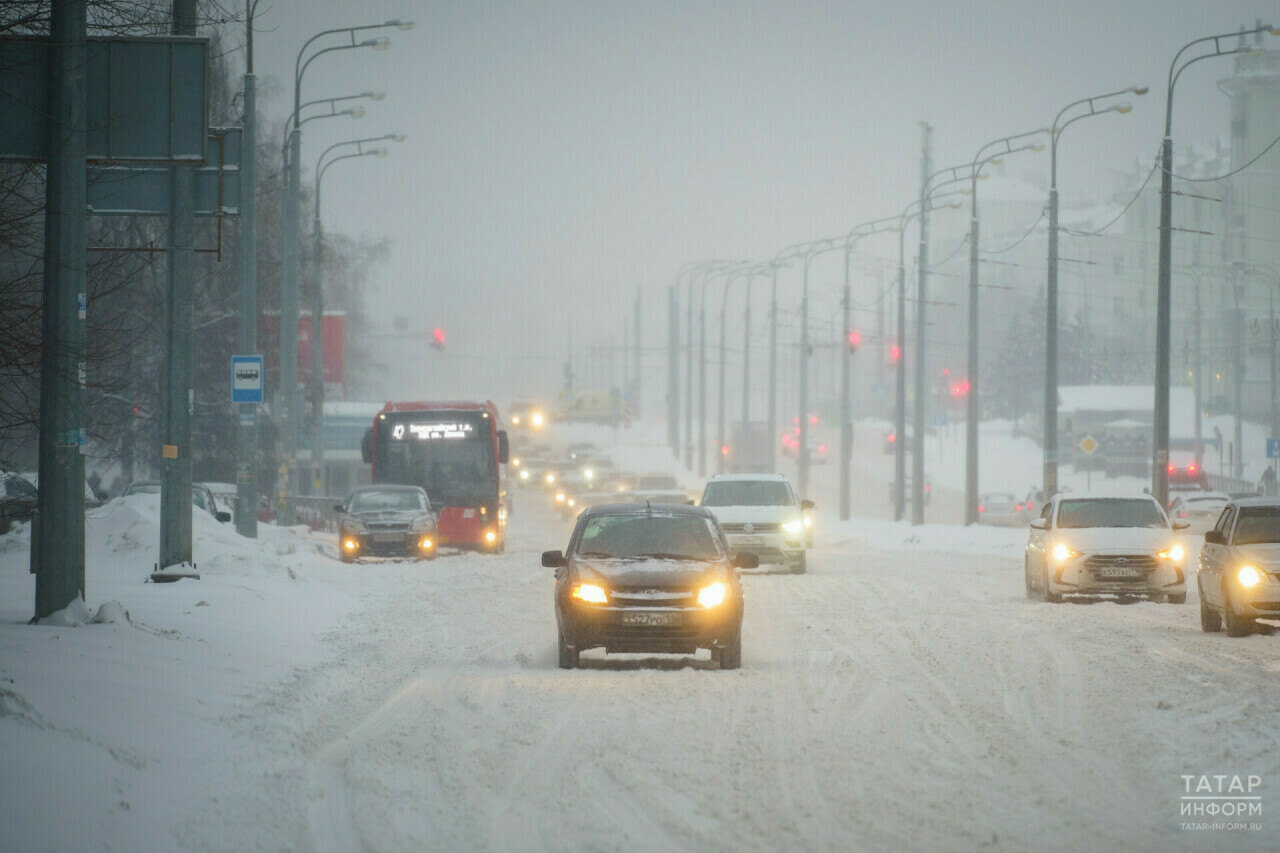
point(1045, 594)
point(1176, 598)
point(1237, 626)
point(799, 566)
point(729, 656)
point(344, 557)
point(1210, 619)
point(1026, 577)
point(568, 654)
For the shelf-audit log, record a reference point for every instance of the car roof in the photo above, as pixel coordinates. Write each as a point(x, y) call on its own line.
point(1257, 501)
point(771, 477)
point(642, 509)
point(387, 487)
point(1200, 496)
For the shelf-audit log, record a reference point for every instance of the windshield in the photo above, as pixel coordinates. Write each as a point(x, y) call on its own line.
point(1258, 524)
point(999, 498)
point(1083, 512)
point(394, 499)
point(748, 493)
point(635, 535)
point(449, 454)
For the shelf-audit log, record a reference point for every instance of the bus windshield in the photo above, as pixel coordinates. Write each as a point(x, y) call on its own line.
point(449, 454)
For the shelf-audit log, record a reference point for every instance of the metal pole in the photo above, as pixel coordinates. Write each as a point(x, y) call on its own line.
point(702, 383)
point(773, 374)
point(247, 435)
point(1237, 468)
point(971, 401)
point(846, 407)
point(57, 549)
point(637, 381)
point(746, 364)
point(1196, 379)
point(1050, 443)
point(720, 435)
point(900, 378)
point(688, 381)
point(178, 393)
point(917, 455)
point(1164, 301)
point(802, 456)
point(317, 357)
point(289, 414)
point(673, 371)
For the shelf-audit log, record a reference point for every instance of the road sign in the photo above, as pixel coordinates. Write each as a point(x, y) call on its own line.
point(147, 99)
point(246, 379)
point(1088, 444)
point(940, 419)
point(1273, 448)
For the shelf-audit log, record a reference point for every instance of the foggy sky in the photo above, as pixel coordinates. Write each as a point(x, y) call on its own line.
point(562, 154)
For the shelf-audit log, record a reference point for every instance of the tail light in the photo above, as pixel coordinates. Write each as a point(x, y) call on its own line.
point(981, 508)
point(822, 448)
point(1182, 515)
point(1030, 507)
point(1171, 469)
point(891, 438)
point(1018, 508)
point(928, 488)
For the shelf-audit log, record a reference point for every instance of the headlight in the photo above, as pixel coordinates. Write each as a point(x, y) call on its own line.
point(560, 497)
point(1062, 553)
point(426, 544)
point(524, 475)
point(491, 537)
point(515, 462)
point(1249, 576)
point(793, 526)
point(353, 525)
point(426, 522)
point(537, 419)
point(350, 544)
point(571, 502)
point(515, 420)
point(551, 478)
point(714, 595)
point(1175, 553)
point(590, 593)
point(588, 473)
point(808, 522)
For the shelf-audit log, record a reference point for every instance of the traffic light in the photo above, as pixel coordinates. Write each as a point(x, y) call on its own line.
point(960, 388)
point(855, 338)
point(437, 339)
point(895, 353)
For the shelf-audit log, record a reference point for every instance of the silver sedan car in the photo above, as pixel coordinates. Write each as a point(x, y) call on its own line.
point(1239, 572)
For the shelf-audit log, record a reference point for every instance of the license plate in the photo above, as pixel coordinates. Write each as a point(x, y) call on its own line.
point(388, 537)
point(655, 619)
point(1116, 572)
point(746, 540)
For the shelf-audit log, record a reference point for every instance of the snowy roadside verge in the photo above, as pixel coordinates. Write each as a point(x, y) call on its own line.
point(120, 723)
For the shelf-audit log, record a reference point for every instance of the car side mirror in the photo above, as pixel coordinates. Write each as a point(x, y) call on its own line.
point(504, 448)
point(366, 446)
point(806, 504)
point(1215, 537)
point(553, 559)
point(1040, 523)
point(338, 508)
point(1181, 525)
point(746, 560)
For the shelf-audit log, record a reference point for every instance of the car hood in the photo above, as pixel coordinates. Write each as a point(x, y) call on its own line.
point(1115, 540)
point(1265, 556)
point(744, 514)
point(391, 516)
point(659, 574)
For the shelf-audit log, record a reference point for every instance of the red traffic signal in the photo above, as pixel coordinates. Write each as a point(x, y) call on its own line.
point(895, 353)
point(437, 339)
point(855, 338)
point(960, 388)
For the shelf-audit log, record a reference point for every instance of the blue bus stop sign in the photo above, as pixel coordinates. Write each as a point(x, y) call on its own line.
point(246, 379)
point(1273, 448)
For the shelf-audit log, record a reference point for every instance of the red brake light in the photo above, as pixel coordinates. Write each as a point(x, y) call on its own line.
point(981, 508)
point(813, 420)
point(1018, 508)
point(1171, 469)
point(928, 487)
point(891, 439)
point(822, 448)
point(1030, 506)
point(1191, 469)
point(1180, 514)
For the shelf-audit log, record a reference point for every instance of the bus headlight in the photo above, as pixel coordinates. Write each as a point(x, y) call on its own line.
point(491, 537)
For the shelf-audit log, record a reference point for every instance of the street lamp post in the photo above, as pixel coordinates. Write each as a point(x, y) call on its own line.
point(702, 364)
point(289, 282)
point(980, 159)
point(703, 268)
point(1164, 282)
point(1050, 470)
point(317, 305)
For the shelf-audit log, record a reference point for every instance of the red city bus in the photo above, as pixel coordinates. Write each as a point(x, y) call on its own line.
point(457, 452)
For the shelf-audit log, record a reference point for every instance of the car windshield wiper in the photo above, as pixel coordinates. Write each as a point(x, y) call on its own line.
point(663, 556)
point(597, 554)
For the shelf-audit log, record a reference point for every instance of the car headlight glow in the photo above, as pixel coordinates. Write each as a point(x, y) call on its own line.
point(515, 462)
point(571, 502)
point(560, 497)
point(350, 544)
point(524, 475)
point(590, 593)
point(515, 420)
point(1249, 576)
point(491, 537)
point(551, 478)
point(793, 526)
point(714, 595)
point(537, 419)
point(1175, 553)
point(1062, 553)
point(808, 522)
point(426, 544)
point(588, 473)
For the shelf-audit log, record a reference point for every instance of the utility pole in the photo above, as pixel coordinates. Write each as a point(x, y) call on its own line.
point(673, 371)
point(177, 391)
point(917, 453)
point(247, 434)
point(746, 362)
point(637, 396)
point(688, 380)
point(317, 355)
point(57, 541)
point(846, 405)
point(773, 373)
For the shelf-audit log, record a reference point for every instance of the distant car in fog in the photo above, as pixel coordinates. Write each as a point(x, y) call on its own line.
point(1000, 508)
point(1198, 509)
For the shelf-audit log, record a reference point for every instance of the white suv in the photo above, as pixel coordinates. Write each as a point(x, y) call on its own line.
point(761, 515)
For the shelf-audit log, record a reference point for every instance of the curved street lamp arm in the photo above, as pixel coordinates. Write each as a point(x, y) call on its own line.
point(359, 143)
point(1217, 51)
point(297, 73)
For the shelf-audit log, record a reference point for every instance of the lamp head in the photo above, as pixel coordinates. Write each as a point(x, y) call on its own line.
point(996, 161)
point(355, 112)
point(379, 152)
point(377, 44)
point(375, 96)
point(396, 137)
point(1124, 108)
point(1039, 146)
point(1140, 90)
point(399, 24)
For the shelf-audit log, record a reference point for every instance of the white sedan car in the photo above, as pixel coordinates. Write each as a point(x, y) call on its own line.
point(1105, 545)
point(1198, 509)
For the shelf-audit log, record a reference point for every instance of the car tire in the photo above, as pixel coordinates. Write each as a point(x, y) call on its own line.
point(1026, 577)
point(1237, 626)
point(800, 565)
point(568, 654)
point(1176, 598)
point(342, 556)
point(1210, 619)
point(1045, 595)
point(729, 656)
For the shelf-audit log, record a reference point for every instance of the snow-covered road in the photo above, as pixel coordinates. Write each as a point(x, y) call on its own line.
point(901, 695)
point(895, 697)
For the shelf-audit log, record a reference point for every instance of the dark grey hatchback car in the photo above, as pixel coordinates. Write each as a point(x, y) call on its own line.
point(648, 578)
